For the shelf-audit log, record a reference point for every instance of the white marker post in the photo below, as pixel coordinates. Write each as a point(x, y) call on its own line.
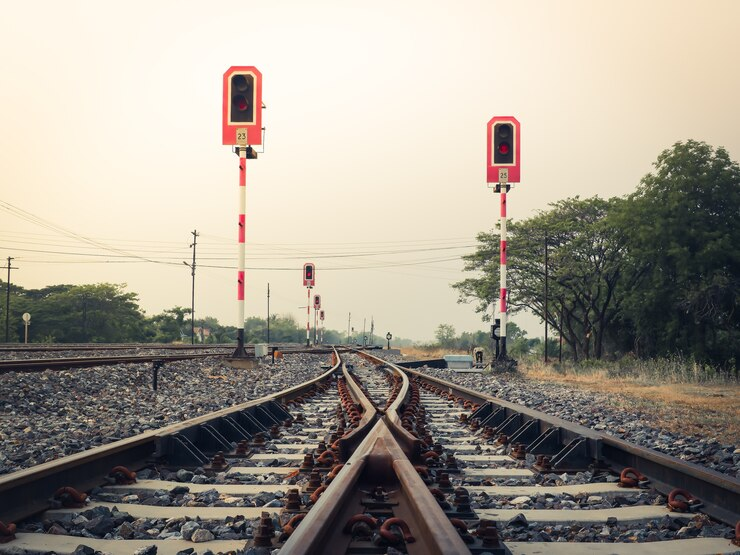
point(26, 322)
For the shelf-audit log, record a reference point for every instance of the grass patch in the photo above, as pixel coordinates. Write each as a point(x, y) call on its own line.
point(428, 353)
point(683, 398)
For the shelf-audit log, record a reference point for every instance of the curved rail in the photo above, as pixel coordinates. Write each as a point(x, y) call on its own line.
point(378, 472)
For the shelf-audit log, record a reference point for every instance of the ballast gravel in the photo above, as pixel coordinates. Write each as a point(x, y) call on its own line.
point(50, 414)
point(599, 412)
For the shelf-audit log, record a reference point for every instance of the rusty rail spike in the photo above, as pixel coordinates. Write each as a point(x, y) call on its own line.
point(71, 498)
point(123, 475)
point(393, 538)
point(631, 478)
point(7, 532)
point(679, 505)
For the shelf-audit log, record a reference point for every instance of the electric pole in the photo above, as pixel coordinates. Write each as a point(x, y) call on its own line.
point(546, 311)
point(7, 302)
point(268, 315)
point(195, 234)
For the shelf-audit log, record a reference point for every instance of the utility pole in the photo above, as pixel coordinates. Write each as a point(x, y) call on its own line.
point(195, 234)
point(545, 298)
point(268, 315)
point(7, 302)
point(349, 321)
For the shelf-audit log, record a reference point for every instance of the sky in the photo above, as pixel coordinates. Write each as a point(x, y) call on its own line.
point(374, 162)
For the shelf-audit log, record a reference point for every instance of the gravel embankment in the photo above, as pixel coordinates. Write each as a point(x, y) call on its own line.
point(50, 414)
point(82, 353)
point(601, 412)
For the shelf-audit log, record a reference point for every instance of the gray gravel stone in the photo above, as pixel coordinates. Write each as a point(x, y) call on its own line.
point(40, 420)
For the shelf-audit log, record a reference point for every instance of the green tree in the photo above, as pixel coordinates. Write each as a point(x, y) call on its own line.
point(684, 223)
point(585, 269)
point(445, 336)
point(170, 325)
point(100, 313)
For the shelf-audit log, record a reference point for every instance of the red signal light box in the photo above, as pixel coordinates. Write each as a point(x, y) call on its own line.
point(242, 106)
point(504, 152)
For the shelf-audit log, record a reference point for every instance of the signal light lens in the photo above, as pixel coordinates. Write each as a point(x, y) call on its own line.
point(240, 83)
point(243, 99)
point(504, 148)
point(504, 131)
point(242, 104)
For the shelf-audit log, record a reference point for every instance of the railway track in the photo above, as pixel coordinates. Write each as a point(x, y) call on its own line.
point(375, 460)
point(151, 355)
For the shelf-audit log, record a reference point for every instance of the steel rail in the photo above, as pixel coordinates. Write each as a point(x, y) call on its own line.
point(27, 492)
point(720, 493)
point(37, 365)
point(41, 364)
point(36, 347)
point(377, 461)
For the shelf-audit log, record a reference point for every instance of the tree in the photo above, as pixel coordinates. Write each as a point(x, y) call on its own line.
point(684, 223)
point(100, 313)
point(170, 325)
point(445, 335)
point(585, 269)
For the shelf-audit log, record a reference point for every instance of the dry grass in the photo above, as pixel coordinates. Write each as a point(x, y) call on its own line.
point(711, 410)
point(426, 353)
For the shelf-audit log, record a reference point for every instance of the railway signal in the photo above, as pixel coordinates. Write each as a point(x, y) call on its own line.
point(242, 106)
point(242, 127)
point(504, 152)
point(503, 168)
point(321, 317)
point(309, 280)
point(309, 277)
point(316, 307)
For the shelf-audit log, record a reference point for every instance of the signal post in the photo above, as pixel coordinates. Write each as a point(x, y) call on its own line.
point(309, 280)
point(321, 317)
point(316, 308)
point(242, 129)
point(504, 168)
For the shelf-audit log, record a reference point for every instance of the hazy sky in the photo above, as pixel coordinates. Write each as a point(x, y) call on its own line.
point(374, 162)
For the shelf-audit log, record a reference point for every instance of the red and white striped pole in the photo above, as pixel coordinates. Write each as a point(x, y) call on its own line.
point(240, 351)
point(308, 317)
point(502, 295)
